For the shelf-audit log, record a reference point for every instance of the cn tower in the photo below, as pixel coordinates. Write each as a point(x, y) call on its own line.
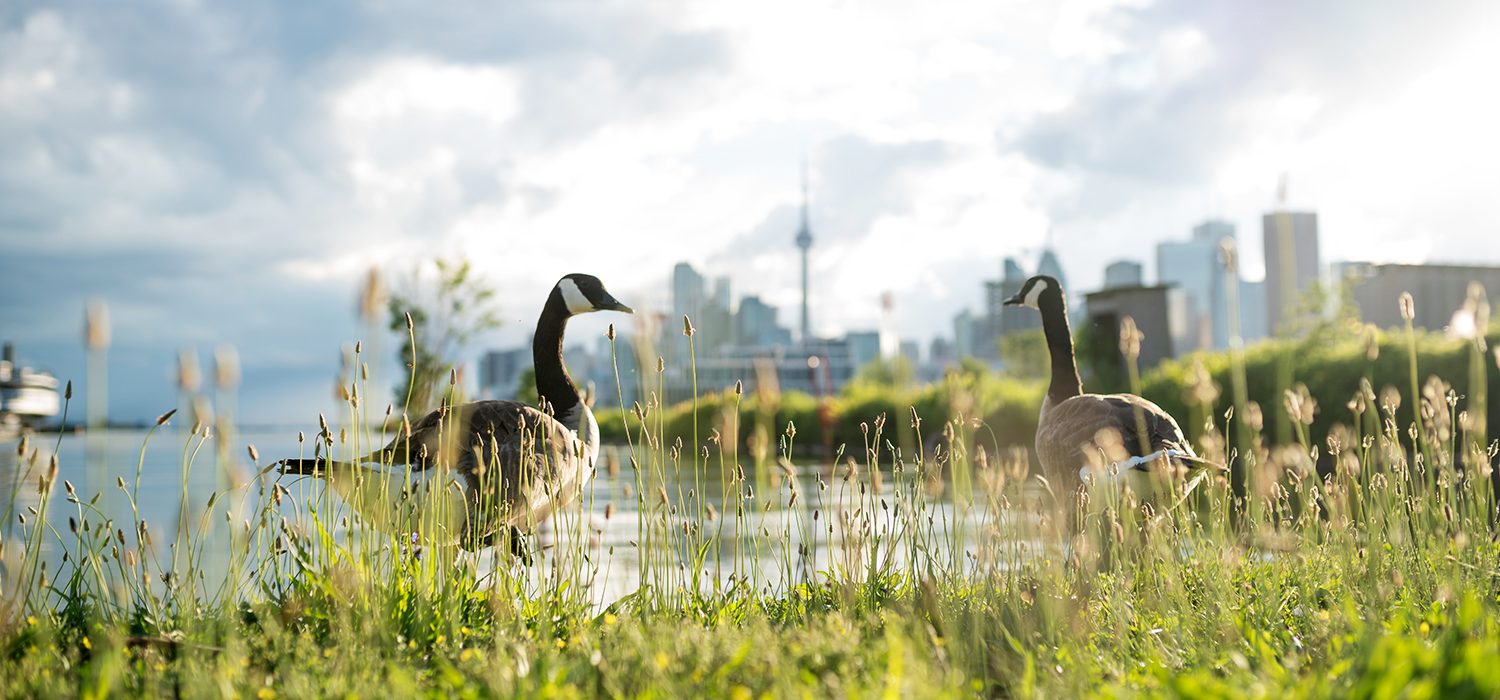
point(804, 242)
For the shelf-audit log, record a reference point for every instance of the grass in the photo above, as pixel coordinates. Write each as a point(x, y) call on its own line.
point(895, 573)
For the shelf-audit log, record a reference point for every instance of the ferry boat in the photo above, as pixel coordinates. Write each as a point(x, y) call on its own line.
point(27, 397)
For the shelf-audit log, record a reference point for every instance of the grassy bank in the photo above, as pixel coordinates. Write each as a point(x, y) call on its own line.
point(956, 573)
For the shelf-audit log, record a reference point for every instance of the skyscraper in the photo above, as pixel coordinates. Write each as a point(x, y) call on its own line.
point(688, 299)
point(963, 333)
point(756, 325)
point(1194, 267)
point(1050, 266)
point(1292, 263)
point(804, 242)
point(687, 291)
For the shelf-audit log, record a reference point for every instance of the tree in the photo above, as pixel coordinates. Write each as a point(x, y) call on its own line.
point(526, 387)
point(1100, 363)
point(1024, 354)
point(895, 372)
point(437, 313)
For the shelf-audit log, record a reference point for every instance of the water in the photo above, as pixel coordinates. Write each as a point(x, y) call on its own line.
point(784, 545)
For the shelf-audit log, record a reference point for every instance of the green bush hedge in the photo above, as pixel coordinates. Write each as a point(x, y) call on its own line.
point(1007, 407)
point(1330, 363)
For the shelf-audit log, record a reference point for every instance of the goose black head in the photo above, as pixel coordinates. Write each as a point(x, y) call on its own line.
point(584, 293)
point(1031, 293)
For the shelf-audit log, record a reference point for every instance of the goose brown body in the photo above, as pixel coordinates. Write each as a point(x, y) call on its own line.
point(517, 463)
point(1068, 435)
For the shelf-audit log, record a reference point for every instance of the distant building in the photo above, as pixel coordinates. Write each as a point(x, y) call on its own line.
point(820, 368)
point(500, 372)
point(804, 242)
point(1123, 273)
point(756, 326)
point(601, 372)
point(964, 324)
point(715, 323)
point(687, 290)
point(1049, 265)
point(1292, 262)
point(1159, 312)
point(1437, 290)
point(1253, 311)
point(911, 351)
point(941, 352)
point(864, 348)
point(978, 335)
point(986, 333)
point(1194, 266)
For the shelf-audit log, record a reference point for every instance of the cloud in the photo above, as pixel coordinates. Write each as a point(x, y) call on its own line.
point(1198, 107)
point(854, 182)
point(232, 184)
point(1191, 81)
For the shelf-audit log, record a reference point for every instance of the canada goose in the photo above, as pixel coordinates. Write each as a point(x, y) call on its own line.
point(517, 462)
point(1136, 437)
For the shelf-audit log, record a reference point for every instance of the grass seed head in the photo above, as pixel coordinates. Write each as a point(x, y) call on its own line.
point(51, 476)
point(96, 326)
point(1130, 338)
point(372, 296)
point(189, 377)
point(226, 367)
point(1371, 338)
point(1229, 256)
point(163, 418)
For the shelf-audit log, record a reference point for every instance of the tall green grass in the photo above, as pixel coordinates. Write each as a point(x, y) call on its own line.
point(1359, 559)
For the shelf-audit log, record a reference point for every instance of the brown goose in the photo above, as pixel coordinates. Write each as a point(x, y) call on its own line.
point(1082, 437)
point(517, 462)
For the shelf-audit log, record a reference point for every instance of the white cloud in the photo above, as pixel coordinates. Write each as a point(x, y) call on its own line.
point(272, 153)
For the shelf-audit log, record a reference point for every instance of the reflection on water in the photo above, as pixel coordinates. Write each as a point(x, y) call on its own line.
point(772, 530)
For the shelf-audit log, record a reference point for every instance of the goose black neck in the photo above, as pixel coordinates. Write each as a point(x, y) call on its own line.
point(553, 385)
point(1065, 382)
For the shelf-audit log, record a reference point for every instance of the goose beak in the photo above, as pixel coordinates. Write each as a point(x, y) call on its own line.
point(1016, 300)
point(613, 304)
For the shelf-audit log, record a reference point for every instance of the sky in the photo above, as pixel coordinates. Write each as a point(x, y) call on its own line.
point(226, 174)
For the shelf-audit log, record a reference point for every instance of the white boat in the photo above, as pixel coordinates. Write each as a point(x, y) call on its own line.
point(27, 397)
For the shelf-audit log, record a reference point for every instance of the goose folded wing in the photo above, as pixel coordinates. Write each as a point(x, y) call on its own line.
point(1129, 414)
point(1093, 426)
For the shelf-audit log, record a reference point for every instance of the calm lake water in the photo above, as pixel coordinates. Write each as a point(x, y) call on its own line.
point(174, 465)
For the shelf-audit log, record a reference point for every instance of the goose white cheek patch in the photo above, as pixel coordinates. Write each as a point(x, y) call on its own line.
point(1034, 296)
point(574, 298)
